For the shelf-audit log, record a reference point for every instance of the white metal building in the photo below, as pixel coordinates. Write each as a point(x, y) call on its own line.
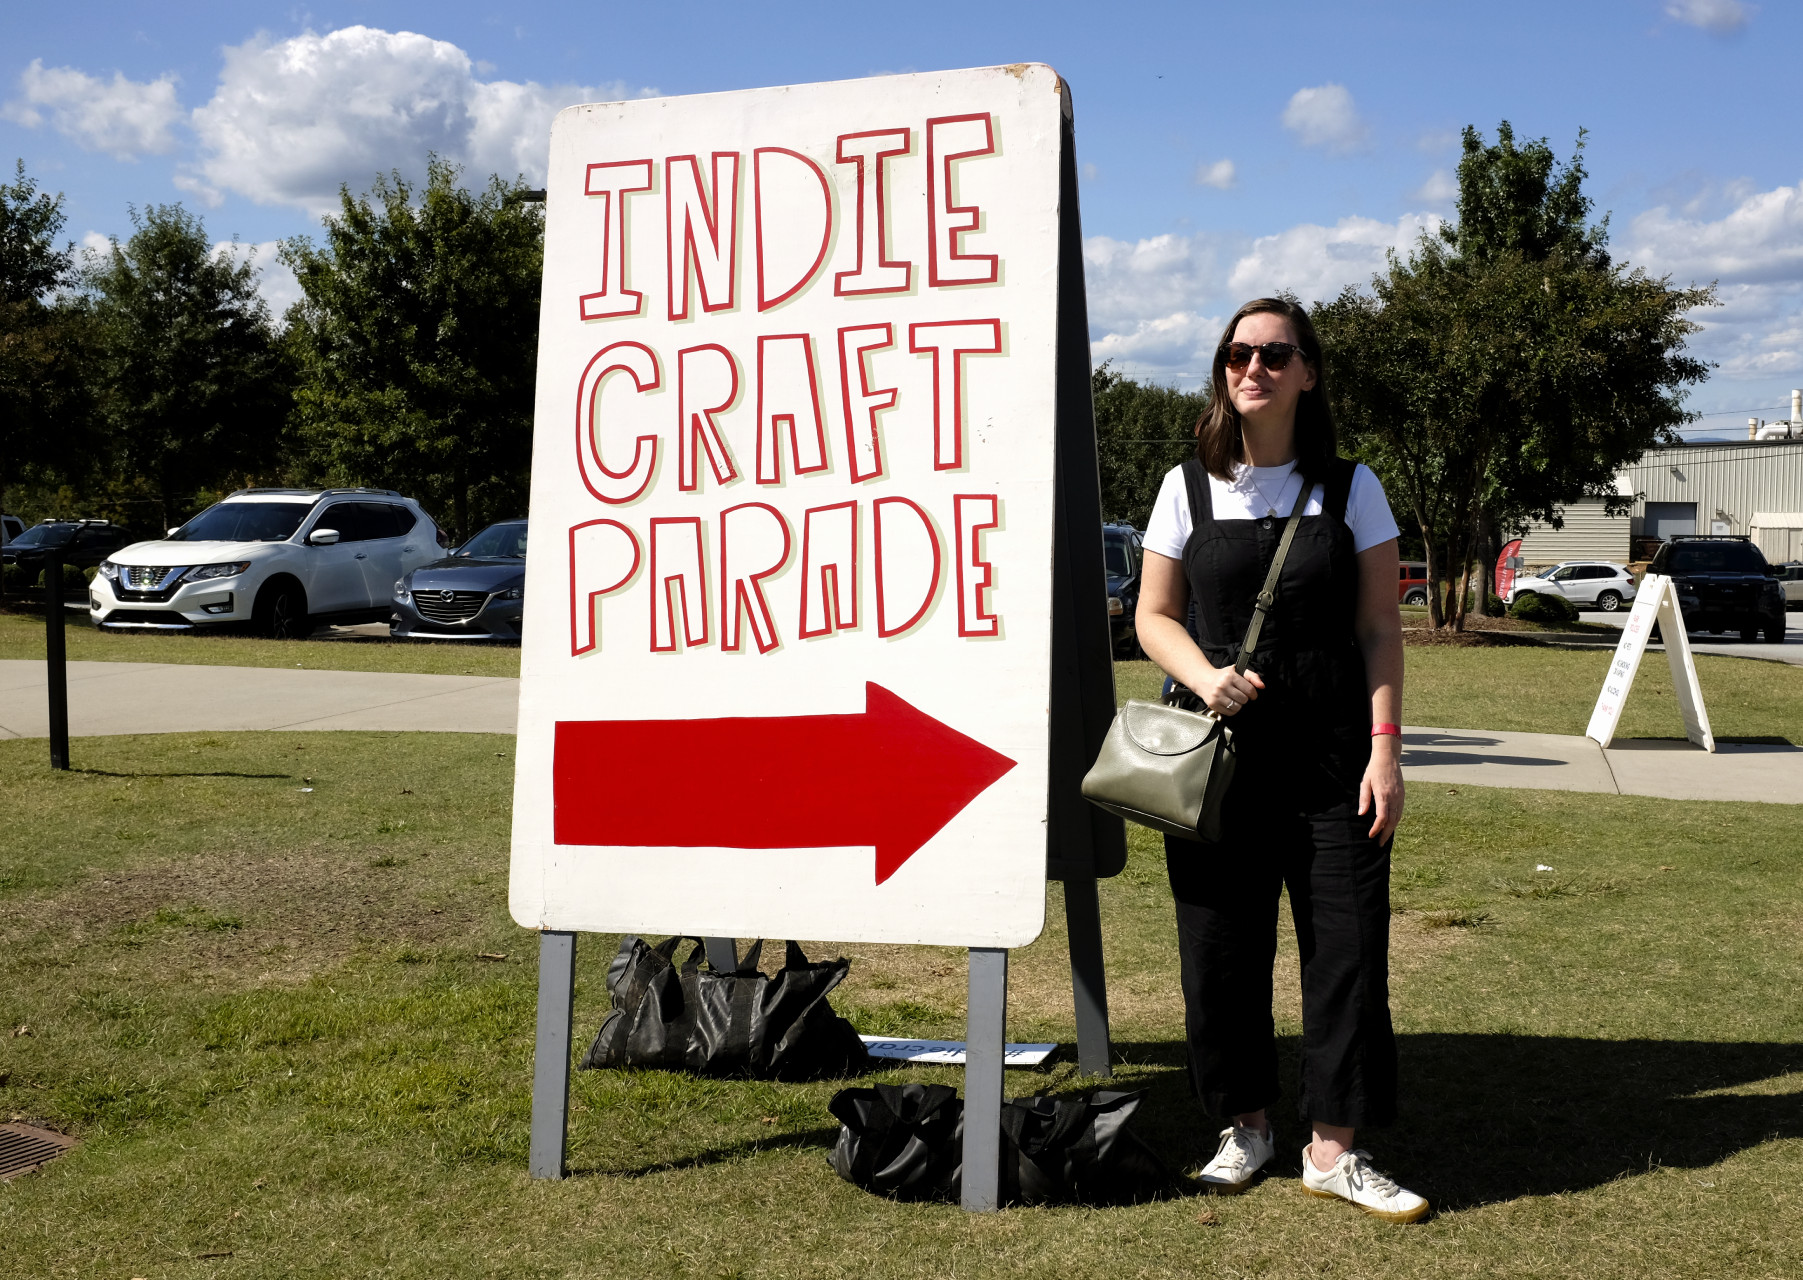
point(1752, 486)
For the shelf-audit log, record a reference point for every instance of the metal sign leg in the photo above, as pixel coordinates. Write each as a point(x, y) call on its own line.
point(985, 1040)
point(1089, 980)
point(55, 658)
point(722, 953)
point(551, 1057)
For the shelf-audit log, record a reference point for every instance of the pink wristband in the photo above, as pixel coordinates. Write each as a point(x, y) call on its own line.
point(1394, 730)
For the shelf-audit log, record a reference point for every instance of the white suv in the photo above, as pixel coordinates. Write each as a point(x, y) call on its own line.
point(1589, 584)
point(284, 560)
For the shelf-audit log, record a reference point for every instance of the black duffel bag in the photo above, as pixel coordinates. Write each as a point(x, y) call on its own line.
point(1077, 1151)
point(743, 1023)
point(906, 1141)
point(900, 1140)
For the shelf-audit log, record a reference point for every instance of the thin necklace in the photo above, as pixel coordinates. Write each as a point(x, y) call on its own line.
point(1270, 507)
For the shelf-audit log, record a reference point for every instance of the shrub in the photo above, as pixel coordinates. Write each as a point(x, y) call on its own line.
point(1534, 607)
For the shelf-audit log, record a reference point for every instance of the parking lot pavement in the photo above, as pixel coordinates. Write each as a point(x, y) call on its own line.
point(1631, 767)
point(155, 697)
point(1790, 651)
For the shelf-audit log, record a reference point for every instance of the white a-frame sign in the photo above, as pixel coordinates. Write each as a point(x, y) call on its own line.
point(1656, 603)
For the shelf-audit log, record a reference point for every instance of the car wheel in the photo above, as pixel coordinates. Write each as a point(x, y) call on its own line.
point(1609, 601)
point(1749, 633)
point(281, 612)
point(1415, 597)
point(1774, 632)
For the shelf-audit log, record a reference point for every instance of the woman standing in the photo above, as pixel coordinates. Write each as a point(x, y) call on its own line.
point(1318, 789)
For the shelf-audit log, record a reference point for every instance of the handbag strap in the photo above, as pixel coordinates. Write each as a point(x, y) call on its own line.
point(1268, 596)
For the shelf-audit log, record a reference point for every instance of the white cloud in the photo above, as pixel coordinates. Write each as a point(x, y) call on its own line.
point(1712, 15)
point(1091, 173)
point(1220, 175)
point(291, 120)
point(1441, 188)
point(275, 281)
point(124, 118)
point(1755, 251)
point(1315, 262)
point(1761, 240)
point(1130, 282)
point(1156, 306)
point(96, 244)
point(1325, 116)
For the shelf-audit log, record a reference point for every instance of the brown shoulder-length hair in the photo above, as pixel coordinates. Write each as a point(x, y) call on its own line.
point(1218, 441)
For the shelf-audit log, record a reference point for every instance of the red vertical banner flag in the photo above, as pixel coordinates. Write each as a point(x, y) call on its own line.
point(1505, 573)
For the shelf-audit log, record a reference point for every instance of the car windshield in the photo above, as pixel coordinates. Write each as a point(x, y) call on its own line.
point(497, 542)
point(44, 535)
point(244, 522)
point(1116, 557)
point(1716, 557)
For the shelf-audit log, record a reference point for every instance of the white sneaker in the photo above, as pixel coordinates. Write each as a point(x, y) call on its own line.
point(1353, 1180)
point(1243, 1153)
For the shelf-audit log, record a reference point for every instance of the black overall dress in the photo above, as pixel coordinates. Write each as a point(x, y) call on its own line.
point(1291, 818)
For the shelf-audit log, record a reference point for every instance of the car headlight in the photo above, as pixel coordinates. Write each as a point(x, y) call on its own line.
point(108, 570)
point(1115, 607)
point(400, 590)
point(512, 593)
point(207, 572)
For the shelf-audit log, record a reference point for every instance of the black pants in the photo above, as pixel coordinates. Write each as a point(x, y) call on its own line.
point(1276, 834)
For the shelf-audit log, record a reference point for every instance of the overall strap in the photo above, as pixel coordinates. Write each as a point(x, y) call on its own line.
point(1338, 488)
point(1268, 596)
point(1201, 502)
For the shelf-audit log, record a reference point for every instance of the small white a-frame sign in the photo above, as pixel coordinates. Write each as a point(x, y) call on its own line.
point(1657, 602)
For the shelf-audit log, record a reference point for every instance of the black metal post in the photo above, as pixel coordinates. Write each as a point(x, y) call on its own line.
point(56, 663)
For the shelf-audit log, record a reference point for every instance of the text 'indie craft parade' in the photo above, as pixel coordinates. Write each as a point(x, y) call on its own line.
point(903, 550)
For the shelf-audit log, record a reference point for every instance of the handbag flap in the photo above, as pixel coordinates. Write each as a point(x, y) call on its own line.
point(1165, 731)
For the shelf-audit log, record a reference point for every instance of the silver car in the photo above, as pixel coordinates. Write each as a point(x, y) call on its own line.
point(1589, 584)
point(1790, 576)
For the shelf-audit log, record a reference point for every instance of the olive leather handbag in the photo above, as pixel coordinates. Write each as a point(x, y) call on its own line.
point(1167, 768)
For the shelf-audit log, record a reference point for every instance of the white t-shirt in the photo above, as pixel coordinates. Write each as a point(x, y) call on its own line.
point(1257, 491)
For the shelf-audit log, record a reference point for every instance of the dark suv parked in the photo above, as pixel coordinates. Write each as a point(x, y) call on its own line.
point(1121, 558)
point(79, 543)
point(1724, 584)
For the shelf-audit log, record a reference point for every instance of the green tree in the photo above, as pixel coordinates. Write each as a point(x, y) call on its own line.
point(1508, 366)
point(189, 372)
point(417, 340)
point(44, 417)
point(1142, 431)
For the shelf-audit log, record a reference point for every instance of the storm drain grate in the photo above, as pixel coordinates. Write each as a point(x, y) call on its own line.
point(24, 1149)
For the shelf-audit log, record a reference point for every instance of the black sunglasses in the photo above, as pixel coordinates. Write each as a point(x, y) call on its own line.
point(1274, 355)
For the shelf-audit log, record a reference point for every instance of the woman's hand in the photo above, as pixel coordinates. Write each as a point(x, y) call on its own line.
point(1225, 691)
point(1380, 792)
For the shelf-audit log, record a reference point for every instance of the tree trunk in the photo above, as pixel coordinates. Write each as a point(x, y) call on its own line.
point(1490, 547)
point(1469, 550)
point(1434, 616)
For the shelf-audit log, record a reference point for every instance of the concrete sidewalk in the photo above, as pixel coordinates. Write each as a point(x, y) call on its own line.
point(1631, 767)
point(159, 697)
point(134, 697)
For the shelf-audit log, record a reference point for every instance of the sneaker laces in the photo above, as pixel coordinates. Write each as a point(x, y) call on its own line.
point(1363, 1177)
point(1237, 1147)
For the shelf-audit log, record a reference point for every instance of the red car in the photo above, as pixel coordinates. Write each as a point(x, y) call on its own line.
point(1412, 586)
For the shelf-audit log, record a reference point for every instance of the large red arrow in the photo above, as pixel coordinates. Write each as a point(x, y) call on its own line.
point(890, 776)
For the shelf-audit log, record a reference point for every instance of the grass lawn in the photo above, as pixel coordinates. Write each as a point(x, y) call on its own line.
point(22, 636)
point(1540, 690)
point(267, 1013)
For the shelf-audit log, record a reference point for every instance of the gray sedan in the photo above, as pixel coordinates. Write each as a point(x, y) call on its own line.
point(474, 593)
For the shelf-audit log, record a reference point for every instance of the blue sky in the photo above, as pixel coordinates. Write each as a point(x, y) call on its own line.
point(1228, 149)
